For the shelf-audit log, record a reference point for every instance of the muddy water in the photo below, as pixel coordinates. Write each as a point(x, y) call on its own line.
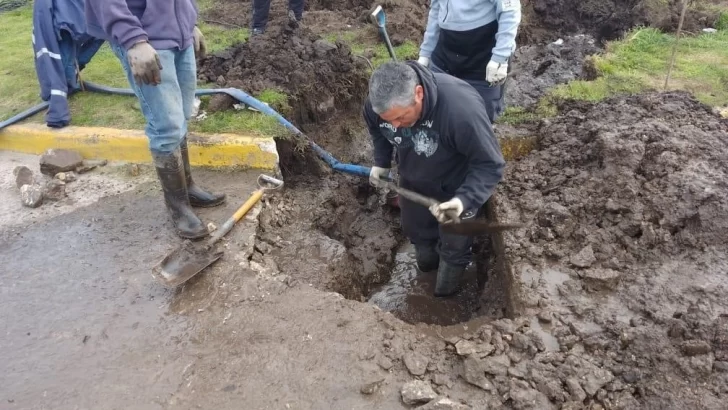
point(409, 294)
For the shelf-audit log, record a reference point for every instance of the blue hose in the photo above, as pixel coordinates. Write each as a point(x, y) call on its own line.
point(239, 95)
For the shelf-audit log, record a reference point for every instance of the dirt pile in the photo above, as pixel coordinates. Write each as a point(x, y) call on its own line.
point(627, 180)
point(318, 76)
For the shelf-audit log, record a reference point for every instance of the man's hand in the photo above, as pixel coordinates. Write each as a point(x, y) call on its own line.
point(448, 211)
point(145, 64)
point(496, 73)
point(199, 43)
point(424, 61)
point(376, 175)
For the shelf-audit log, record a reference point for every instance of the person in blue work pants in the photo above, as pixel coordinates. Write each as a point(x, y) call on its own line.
point(262, 7)
point(473, 40)
point(157, 42)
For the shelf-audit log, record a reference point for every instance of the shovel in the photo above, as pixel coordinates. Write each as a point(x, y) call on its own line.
point(455, 226)
point(380, 20)
point(190, 259)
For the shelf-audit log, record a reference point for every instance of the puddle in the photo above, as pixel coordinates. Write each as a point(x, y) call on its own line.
point(409, 294)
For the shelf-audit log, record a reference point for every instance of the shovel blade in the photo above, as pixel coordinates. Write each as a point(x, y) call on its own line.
point(477, 227)
point(183, 263)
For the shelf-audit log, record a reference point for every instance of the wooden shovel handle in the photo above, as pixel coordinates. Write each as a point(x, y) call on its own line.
point(244, 208)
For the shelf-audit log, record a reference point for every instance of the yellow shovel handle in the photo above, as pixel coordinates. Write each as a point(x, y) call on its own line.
point(244, 208)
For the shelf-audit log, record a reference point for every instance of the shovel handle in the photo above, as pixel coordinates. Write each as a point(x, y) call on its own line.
point(228, 225)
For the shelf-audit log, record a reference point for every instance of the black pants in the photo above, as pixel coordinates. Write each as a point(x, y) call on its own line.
point(493, 96)
point(422, 229)
point(261, 8)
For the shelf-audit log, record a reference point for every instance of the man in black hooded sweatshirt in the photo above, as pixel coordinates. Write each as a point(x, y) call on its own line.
point(446, 150)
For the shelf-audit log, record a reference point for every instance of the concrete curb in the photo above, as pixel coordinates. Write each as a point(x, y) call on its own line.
point(208, 150)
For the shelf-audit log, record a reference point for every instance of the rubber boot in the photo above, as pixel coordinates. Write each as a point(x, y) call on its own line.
point(172, 177)
point(427, 258)
point(448, 279)
point(198, 197)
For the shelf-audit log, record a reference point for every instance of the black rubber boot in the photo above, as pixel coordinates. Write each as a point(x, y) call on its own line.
point(427, 258)
point(448, 279)
point(172, 177)
point(198, 197)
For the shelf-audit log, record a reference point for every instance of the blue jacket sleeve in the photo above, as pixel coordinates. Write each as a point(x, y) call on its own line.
point(49, 65)
point(432, 32)
point(509, 18)
point(382, 147)
point(472, 135)
point(119, 24)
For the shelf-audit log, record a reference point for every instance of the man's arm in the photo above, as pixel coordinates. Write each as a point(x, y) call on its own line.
point(473, 136)
point(118, 22)
point(432, 32)
point(508, 13)
point(382, 147)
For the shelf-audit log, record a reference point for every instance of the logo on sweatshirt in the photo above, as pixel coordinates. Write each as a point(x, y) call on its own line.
point(425, 143)
point(388, 126)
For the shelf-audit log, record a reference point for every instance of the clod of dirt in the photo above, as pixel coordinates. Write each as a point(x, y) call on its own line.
point(370, 388)
point(54, 190)
point(31, 195)
point(23, 176)
point(443, 403)
point(474, 373)
point(416, 363)
point(54, 161)
point(417, 392)
point(90, 165)
point(319, 77)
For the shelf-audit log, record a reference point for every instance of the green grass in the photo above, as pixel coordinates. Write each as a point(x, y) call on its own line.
point(19, 88)
point(406, 51)
point(640, 62)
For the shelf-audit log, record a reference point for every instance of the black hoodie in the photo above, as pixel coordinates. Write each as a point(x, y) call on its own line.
point(450, 151)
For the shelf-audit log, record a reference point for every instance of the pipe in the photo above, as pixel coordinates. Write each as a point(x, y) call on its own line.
point(239, 95)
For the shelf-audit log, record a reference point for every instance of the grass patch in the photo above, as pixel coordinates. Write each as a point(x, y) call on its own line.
point(406, 51)
point(640, 61)
point(19, 86)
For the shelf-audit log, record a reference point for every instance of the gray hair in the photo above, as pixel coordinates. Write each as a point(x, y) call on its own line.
point(392, 85)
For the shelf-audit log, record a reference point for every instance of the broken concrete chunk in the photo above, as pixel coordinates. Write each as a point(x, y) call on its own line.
point(416, 363)
point(417, 392)
point(595, 380)
point(466, 347)
point(474, 373)
point(59, 160)
point(601, 279)
point(496, 365)
point(54, 190)
point(585, 258)
point(31, 196)
point(23, 176)
point(443, 403)
point(695, 347)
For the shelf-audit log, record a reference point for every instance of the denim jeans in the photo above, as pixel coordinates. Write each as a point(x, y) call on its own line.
point(494, 97)
point(167, 106)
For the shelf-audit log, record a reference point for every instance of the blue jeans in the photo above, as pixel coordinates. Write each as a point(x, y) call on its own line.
point(494, 97)
point(167, 106)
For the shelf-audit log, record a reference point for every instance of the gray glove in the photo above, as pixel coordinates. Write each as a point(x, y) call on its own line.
point(199, 43)
point(145, 64)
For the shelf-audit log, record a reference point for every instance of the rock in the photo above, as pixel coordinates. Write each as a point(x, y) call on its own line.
point(442, 380)
point(417, 392)
point(23, 176)
point(416, 363)
point(585, 258)
point(695, 347)
point(601, 279)
point(632, 376)
point(496, 365)
point(385, 363)
point(31, 196)
point(595, 380)
point(526, 398)
point(443, 403)
point(59, 160)
point(370, 388)
point(466, 348)
point(90, 165)
point(321, 47)
point(575, 390)
point(545, 316)
point(54, 190)
point(66, 176)
point(474, 373)
point(720, 367)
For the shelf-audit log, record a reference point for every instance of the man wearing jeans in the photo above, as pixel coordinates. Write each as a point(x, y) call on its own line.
point(156, 42)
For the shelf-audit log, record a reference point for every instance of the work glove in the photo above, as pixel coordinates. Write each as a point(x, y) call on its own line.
point(144, 63)
point(424, 61)
point(377, 174)
point(496, 73)
point(199, 43)
point(448, 211)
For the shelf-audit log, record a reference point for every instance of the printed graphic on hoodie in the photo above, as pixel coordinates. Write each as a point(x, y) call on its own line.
point(424, 140)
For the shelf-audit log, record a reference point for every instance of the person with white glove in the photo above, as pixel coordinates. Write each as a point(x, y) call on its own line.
point(473, 40)
point(446, 150)
point(158, 54)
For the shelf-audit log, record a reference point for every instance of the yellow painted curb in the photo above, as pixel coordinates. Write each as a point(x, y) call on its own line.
point(211, 150)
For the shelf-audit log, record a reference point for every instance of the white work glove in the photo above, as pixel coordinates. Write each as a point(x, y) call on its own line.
point(496, 73)
point(377, 174)
point(424, 61)
point(199, 43)
point(448, 211)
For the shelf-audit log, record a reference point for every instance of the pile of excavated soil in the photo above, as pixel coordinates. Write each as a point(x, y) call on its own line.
point(319, 77)
point(625, 253)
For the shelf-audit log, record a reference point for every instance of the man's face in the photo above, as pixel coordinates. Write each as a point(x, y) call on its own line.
point(405, 117)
